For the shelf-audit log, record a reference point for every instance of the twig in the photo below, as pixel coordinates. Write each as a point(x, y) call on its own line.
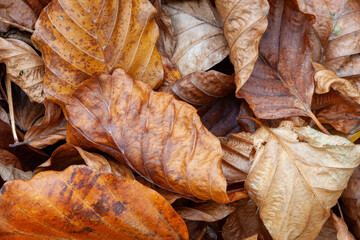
point(17, 25)
point(341, 214)
point(11, 108)
point(202, 234)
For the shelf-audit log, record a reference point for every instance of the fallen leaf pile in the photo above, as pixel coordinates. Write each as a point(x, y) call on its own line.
point(180, 119)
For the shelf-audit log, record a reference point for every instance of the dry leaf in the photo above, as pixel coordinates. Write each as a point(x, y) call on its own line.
point(79, 40)
point(26, 113)
point(328, 232)
point(254, 237)
point(200, 43)
point(244, 222)
point(221, 117)
point(51, 130)
point(157, 136)
point(208, 212)
point(341, 228)
point(281, 84)
point(331, 108)
point(326, 79)
point(244, 24)
point(4, 116)
point(351, 204)
point(80, 203)
point(22, 12)
point(236, 153)
point(200, 88)
point(29, 157)
point(10, 172)
point(297, 177)
point(24, 67)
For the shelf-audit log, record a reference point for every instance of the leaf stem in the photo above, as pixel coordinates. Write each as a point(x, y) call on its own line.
point(17, 25)
point(11, 108)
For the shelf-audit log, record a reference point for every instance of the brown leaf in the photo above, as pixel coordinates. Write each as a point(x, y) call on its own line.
point(200, 43)
point(26, 113)
point(341, 228)
point(208, 212)
point(157, 136)
point(200, 88)
point(297, 177)
point(331, 108)
point(221, 117)
point(51, 130)
point(244, 24)
point(326, 79)
point(244, 222)
point(328, 232)
point(281, 84)
point(351, 203)
point(236, 153)
point(68, 154)
point(79, 40)
point(80, 203)
point(22, 12)
point(24, 67)
point(166, 42)
point(29, 157)
point(254, 237)
point(10, 172)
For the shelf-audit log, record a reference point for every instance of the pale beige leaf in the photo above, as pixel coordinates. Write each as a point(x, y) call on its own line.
point(9, 173)
point(244, 24)
point(23, 66)
point(200, 43)
point(297, 177)
point(326, 79)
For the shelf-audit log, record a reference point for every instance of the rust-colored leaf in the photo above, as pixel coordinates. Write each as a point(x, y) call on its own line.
point(281, 84)
point(331, 108)
point(202, 88)
point(200, 43)
point(244, 24)
point(80, 203)
point(297, 177)
point(51, 130)
point(81, 39)
point(23, 66)
point(157, 136)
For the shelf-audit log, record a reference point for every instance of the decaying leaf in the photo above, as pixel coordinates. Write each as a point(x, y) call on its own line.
point(331, 108)
point(236, 153)
point(351, 203)
point(78, 40)
point(51, 130)
point(208, 212)
point(10, 172)
point(281, 84)
point(23, 66)
point(22, 12)
point(202, 88)
point(326, 79)
point(200, 43)
point(341, 228)
point(244, 222)
point(244, 24)
point(328, 232)
point(297, 177)
point(80, 203)
point(157, 136)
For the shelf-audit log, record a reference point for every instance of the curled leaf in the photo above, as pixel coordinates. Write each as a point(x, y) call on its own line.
point(157, 136)
point(297, 177)
point(78, 40)
point(343, 232)
point(81, 203)
point(244, 24)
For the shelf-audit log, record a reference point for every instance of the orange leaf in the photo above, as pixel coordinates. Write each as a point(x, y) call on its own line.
point(79, 203)
point(80, 39)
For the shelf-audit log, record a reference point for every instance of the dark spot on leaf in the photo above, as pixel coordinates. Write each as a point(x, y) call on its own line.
point(21, 73)
point(88, 229)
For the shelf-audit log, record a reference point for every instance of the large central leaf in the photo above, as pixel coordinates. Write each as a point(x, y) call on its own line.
point(80, 38)
point(281, 84)
point(159, 137)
